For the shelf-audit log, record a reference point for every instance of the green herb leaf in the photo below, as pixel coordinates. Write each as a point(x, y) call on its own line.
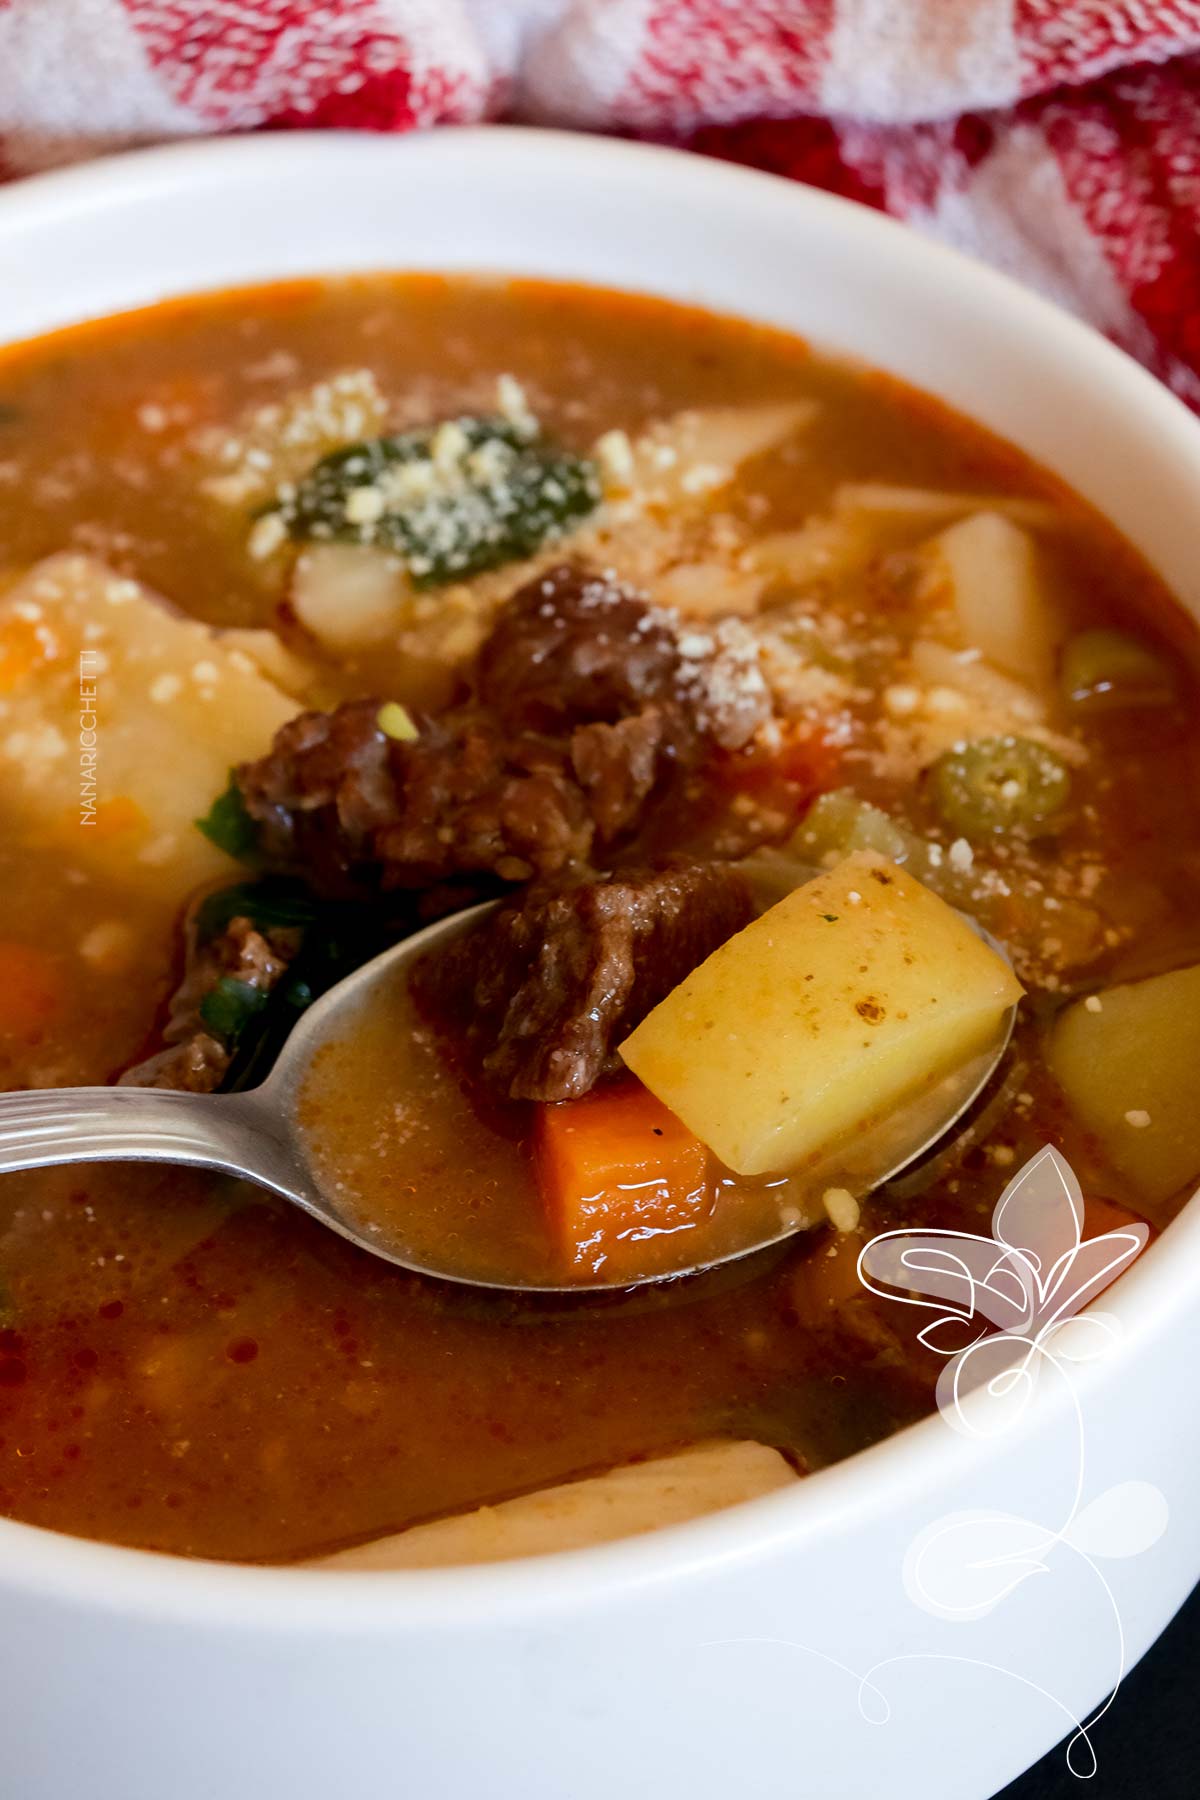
point(273, 901)
point(228, 825)
point(230, 1006)
point(451, 500)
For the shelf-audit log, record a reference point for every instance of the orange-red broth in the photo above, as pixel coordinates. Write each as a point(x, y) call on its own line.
point(185, 1365)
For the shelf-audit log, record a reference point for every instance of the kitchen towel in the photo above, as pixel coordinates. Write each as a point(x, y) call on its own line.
point(1058, 139)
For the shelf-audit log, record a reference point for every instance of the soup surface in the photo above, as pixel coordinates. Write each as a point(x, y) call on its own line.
point(915, 645)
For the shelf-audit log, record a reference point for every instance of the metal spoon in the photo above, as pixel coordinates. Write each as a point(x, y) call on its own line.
point(256, 1134)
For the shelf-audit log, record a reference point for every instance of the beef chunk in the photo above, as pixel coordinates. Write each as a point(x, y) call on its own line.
point(350, 808)
point(618, 767)
point(571, 648)
point(193, 1056)
point(586, 697)
point(324, 787)
point(545, 990)
point(473, 797)
point(574, 648)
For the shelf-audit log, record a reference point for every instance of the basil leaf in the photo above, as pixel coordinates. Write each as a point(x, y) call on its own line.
point(228, 825)
point(269, 903)
point(229, 1007)
point(450, 500)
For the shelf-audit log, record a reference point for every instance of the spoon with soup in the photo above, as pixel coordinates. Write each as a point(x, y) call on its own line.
point(825, 1047)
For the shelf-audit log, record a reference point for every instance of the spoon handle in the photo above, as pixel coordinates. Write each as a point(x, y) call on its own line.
point(39, 1127)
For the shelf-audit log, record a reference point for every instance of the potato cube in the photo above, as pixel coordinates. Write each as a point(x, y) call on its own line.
point(846, 999)
point(1127, 1061)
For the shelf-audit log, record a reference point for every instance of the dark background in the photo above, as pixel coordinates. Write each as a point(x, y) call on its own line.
point(1148, 1746)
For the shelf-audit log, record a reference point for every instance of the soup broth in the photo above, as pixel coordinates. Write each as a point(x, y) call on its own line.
point(186, 1365)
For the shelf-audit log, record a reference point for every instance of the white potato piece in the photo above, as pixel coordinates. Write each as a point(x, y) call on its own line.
point(666, 1490)
point(1129, 1071)
point(999, 595)
point(349, 596)
point(121, 722)
point(846, 1000)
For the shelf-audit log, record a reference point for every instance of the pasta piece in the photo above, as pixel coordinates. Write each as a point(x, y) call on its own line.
point(1000, 597)
point(697, 452)
point(708, 590)
point(641, 1496)
point(122, 719)
point(823, 549)
point(933, 506)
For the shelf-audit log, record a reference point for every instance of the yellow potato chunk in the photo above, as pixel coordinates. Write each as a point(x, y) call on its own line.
point(1127, 1060)
point(119, 722)
point(850, 996)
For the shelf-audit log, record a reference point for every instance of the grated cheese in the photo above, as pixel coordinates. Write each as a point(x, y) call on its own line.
point(842, 1209)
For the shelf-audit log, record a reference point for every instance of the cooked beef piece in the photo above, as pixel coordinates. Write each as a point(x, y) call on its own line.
point(586, 697)
point(349, 807)
point(572, 648)
point(195, 1057)
point(327, 783)
point(472, 796)
point(575, 648)
point(618, 767)
point(545, 990)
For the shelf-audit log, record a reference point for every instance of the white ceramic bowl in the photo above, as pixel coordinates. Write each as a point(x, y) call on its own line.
point(721, 1657)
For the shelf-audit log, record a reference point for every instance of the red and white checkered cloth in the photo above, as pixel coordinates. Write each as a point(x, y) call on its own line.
point(1059, 139)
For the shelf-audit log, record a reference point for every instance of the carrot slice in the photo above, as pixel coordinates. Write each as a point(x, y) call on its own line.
point(616, 1168)
point(31, 990)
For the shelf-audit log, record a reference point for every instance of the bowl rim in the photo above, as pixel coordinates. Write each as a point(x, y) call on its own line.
point(153, 1585)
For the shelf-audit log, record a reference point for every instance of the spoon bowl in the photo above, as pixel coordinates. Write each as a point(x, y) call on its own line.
point(257, 1134)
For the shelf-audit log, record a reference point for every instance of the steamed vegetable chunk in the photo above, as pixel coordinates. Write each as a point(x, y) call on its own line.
point(838, 1004)
point(616, 1166)
point(1127, 1061)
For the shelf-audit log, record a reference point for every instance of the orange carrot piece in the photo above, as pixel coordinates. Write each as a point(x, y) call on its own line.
point(32, 990)
point(616, 1168)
